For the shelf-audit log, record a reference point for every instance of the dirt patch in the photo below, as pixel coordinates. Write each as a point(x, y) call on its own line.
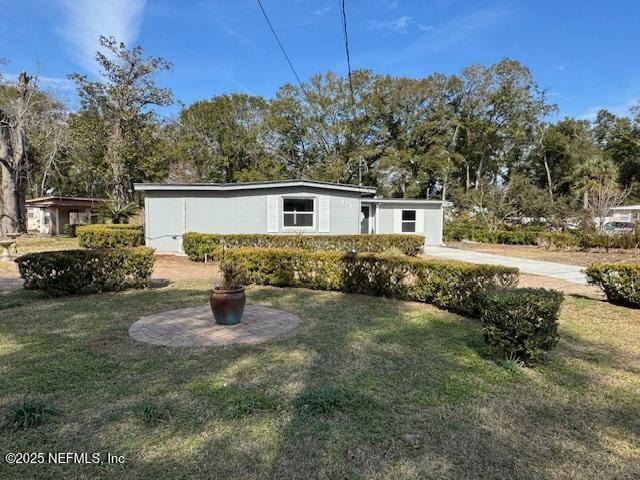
point(172, 267)
point(538, 281)
point(568, 257)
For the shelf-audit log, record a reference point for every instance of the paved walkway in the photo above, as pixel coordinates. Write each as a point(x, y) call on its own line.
point(568, 273)
point(195, 327)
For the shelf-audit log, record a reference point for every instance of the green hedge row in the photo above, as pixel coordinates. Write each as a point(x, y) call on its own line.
point(451, 285)
point(522, 236)
point(535, 236)
point(197, 245)
point(620, 282)
point(110, 236)
point(521, 322)
point(79, 271)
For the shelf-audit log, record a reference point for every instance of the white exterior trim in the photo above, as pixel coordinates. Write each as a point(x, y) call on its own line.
point(314, 216)
point(145, 187)
point(324, 214)
point(272, 214)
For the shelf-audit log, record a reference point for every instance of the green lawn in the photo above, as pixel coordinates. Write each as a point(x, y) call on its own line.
point(365, 388)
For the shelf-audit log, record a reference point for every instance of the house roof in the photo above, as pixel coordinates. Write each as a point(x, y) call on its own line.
point(403, 200)
point(146, 187)
point(53, 201)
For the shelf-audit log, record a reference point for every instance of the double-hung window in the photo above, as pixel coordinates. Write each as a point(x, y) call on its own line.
point(298, 212)
point(408, 221)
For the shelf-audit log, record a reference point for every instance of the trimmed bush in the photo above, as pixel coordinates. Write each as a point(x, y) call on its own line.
point(521, 322)
point(451, 285)
point(197, 245)
point(79, 271)
point(528, 235)
point(620, 282)
point(110, 236)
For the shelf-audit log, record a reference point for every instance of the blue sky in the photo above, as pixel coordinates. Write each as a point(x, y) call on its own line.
point(585, 52)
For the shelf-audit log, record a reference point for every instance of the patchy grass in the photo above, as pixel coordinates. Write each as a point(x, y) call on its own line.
point(569, 257)
point(36, 243)
point(365, 388)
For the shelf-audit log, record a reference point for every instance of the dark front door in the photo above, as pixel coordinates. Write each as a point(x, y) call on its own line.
point(365, 219)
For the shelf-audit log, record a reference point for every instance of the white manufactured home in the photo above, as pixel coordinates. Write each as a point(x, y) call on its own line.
point(280, 207)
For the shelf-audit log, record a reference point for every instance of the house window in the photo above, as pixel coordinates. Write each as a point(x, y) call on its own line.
point(408, 221)
point(298, 212)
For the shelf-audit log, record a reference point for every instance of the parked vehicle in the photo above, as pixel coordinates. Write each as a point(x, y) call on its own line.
point(619, 228)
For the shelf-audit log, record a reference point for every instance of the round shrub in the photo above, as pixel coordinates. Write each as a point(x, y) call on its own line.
point(620, 282)
point(110, 236)
point(522, 322)
point(79, 271)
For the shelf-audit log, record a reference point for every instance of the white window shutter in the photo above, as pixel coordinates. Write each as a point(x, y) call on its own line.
point(323, 214)
point(272, 214)
point(397, 220)
point(419, 221)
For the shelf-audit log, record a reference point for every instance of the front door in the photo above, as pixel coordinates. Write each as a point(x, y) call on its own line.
point(365, 219)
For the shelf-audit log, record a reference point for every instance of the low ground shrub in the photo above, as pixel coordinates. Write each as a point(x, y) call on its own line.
point(197, 245)
point(30, 412)
point(620, 282)
point(521, 323)
point(110, 235)
point(154, 411)
point(451, 285)
point(78, 271)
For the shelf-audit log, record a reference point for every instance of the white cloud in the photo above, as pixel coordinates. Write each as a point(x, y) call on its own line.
point(619, 109)
point(322, 11)
point(424, 28)
point(395, 26)
point(391, 4)
point(86, 20)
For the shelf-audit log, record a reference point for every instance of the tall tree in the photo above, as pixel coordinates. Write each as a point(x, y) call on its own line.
point(123, 101)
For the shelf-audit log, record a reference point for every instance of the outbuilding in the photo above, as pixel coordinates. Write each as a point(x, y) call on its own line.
point(280, 207)
point(49, 215)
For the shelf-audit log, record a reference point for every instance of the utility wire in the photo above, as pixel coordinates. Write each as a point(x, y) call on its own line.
point(284, 52)
point(343, 15)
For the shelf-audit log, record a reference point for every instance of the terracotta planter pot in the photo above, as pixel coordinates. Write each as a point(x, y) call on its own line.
point(227, 305)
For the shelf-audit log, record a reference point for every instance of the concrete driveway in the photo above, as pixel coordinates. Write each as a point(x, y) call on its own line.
point(568, 273)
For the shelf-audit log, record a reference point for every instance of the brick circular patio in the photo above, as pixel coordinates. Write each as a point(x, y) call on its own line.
point(195, 327)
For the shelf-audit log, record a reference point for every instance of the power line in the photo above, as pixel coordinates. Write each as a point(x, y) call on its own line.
point(284, 52)
point(343, 15)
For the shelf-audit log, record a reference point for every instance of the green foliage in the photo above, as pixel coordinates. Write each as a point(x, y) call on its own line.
point(196, 245)
point(78, 271)
point(620, 282)
point(153, 411)
point(521, 323)
point(230, 275)
point(110, 236)
point(122, 116)
point(30, 412)
point(70, 229)
point(116, 211)
point(327, 400)
point(448, 284)
point(459, 230)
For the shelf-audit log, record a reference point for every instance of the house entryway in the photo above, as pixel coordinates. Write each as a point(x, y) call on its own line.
point(365, 219)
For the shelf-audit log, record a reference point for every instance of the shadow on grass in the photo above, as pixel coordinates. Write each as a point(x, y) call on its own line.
point(365, 388)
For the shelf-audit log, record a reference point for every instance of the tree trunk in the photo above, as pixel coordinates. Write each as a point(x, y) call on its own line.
point(13, 160)
point(585, 199)
point(546, 169)
point(115, 161)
